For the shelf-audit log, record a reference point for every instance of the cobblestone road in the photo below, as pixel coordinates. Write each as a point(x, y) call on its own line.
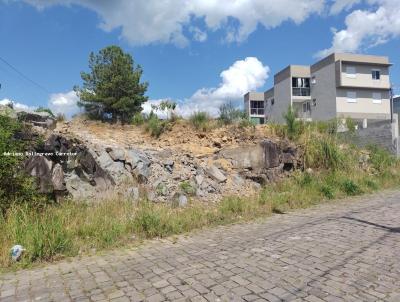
point(347, 251)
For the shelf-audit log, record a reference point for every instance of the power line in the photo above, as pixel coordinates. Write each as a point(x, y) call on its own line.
point(23, 75)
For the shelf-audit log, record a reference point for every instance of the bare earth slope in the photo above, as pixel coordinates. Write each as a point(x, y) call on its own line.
point(182, 137)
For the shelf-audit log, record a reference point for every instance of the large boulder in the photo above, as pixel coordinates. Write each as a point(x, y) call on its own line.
point(41, 168)
point(215, 173)
point(264, 155)
point(246, 157)
point(272, 154)
point(41, 119)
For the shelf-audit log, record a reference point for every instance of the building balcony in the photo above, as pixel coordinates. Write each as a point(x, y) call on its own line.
point(257, 111)
point(301, 91)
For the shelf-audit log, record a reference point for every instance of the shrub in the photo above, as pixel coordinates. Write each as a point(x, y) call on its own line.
point(138, 119)
point(371, 184)
point(42, 109)
point(328, 191)
point(277, 129)
point(149, 223)
point(60, 117)
point(246, 123)
point(187, 187)
point(42, 234)
point(228, 114)
point(15, 186)
point(232, 205)
point(293, 126)
point(305, 179)
point(323, 152)
point(351, 125)
point(351, 188)
point(155, 126)
point(380, 159)
point(200, 120)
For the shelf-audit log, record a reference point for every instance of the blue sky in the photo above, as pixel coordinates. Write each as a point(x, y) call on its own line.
point(200, 52)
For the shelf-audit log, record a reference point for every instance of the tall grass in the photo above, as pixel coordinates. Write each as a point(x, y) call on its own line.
point(200, 120)
point(74, 228)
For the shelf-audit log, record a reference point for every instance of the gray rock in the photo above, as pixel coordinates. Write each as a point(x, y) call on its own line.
point(179, 200)
point(41, 167)
point(117, 154)
point(105, 160)
point(215, 173)
point(142, 172)
point(237, 180)
point(182, 200)
point(41, 119)
point(119, 173)
point(256, 186)
point(247, 157)
point(169, 165)
point(199, 179)
point(79, 190)
point(271, 153)
point(57, 178)
point(133, 157)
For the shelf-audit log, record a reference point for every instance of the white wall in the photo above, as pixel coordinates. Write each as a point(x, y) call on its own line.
point(324, 91)
point(364, 107)
point(282, 96)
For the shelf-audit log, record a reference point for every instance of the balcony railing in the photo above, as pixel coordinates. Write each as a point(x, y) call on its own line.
point(257, 111)
point(303, 91)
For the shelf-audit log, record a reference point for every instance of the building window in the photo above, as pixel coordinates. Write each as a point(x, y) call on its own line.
point(257, 107)
point(272, 101)
point(301, 86)
point(313, 80)
point(376, 74)
point(350, 72)
point(306, 107)
point(314, 102)
point(377, 98)
point(351, 97)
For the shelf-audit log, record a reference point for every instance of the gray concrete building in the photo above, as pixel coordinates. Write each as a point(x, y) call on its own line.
point(340, 85)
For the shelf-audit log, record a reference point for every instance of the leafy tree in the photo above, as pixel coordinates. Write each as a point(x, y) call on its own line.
point(167, 106)
point(228, 114)
point(15, 185)
point(112, 88)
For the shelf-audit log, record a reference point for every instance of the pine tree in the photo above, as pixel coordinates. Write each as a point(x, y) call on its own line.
point(112, 89)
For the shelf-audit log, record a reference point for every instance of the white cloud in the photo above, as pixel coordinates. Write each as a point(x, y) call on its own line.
point(65, 103)
point(242, 76)
point(367, 28)
point(340, 5)
point(148, 21)
point(198, 34)
point(16, 105)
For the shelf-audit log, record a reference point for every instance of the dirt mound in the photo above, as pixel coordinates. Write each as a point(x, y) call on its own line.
point(181, 136)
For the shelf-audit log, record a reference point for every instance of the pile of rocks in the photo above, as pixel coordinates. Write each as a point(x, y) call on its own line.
point(89, 172)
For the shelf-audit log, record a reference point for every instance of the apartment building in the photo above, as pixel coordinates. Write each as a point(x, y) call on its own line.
point(254, 106)
point(340, 85)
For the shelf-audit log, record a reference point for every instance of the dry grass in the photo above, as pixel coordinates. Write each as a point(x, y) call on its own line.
point(73, 228)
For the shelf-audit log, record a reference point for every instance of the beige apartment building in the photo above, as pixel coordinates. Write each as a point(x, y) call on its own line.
point(340, 85)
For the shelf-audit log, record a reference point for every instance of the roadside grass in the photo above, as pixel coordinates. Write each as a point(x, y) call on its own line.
point(72, 229)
